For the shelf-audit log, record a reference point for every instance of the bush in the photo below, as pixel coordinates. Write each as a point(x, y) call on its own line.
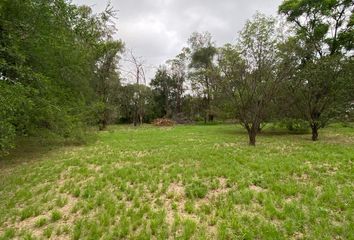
point(295, 125)
point(7, 136)
point(163, 122)
point(347, 124)
point(12, 117)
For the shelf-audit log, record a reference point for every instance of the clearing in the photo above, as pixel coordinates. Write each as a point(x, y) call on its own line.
point(183, 182)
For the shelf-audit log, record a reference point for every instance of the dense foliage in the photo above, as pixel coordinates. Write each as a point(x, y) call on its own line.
point(57, 64)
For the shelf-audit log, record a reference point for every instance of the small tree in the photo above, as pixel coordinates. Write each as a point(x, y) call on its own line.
point(250, 73)
point(178, 72)
point(319, 92)
point(203, 69)
point(137, 72)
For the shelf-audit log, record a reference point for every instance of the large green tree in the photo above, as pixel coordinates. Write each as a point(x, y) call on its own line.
point(52, 56)
point(108, 82)
point(169, 86)
point(322, 43)
point(162, 90)
point(203, 72)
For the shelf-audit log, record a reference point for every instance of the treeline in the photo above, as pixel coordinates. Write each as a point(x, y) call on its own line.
point(58, 68)
point(299, 72)
point(59, 71)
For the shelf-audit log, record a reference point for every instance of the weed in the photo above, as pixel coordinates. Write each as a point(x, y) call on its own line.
point(55, 216)
point(41, 222)
point(196, 190)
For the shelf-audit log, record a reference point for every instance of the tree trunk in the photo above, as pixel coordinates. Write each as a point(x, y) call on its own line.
point(314, 128)
point(252, 132)
point(135, 121)
point(102, 126)
point(178, 104)
point(104, 121)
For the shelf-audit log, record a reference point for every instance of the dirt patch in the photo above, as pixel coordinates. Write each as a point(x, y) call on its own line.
point(177, 189)
point(214, 193)
point(135, 154)
point(140, 154)
point(68, 216)
point(29, 224)
point(328, 169)
point(121, 164)
point(256, 188)
point(94, 167)
point(338, 139)
point(303, 177)
point(174, 202)
point(297, 236)
point(292, 199)
point(225, 145)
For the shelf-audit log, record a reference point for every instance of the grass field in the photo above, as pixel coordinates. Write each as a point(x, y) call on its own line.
point(185, 182)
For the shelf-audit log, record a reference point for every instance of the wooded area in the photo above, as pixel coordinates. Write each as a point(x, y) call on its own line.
point(93, 145)
point(59, 72)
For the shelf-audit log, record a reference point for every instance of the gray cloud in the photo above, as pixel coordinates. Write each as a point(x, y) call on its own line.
point(158, 29)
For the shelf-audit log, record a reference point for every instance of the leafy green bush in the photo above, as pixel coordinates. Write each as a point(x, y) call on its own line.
point(12, 104)
point(295, 125)
point(25, 111)
point(347, 124)
point(7, 136)
point(42, 91)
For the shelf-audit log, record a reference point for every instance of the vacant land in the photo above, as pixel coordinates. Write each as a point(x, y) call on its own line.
point(185, 182)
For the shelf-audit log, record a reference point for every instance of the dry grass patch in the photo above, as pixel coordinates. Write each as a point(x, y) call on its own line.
point(256, 188)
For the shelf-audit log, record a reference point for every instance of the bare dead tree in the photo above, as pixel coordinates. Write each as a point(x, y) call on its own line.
point(136, 72)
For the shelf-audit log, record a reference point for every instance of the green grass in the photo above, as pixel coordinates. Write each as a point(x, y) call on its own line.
point(185, 182)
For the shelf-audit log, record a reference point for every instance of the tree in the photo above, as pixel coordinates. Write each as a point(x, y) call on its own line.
point(52, 59)
point(250, 73)
point(323, 40)
point(138, 73)
point(178, 69)
point(107, 81)
point(129, 101)
point(161, 85)
point(168, 86)
point(203, 74)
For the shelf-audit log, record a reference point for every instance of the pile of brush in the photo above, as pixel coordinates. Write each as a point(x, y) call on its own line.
point(163, 122)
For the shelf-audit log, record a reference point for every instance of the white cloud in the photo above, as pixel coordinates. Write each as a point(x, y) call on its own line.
point(158, 29)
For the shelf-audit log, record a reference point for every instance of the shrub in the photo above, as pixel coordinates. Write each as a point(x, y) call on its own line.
point(295, 125)
point(7, 136)
point(12, 102)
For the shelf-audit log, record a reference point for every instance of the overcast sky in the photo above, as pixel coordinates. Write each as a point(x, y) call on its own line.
point(158, 29)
